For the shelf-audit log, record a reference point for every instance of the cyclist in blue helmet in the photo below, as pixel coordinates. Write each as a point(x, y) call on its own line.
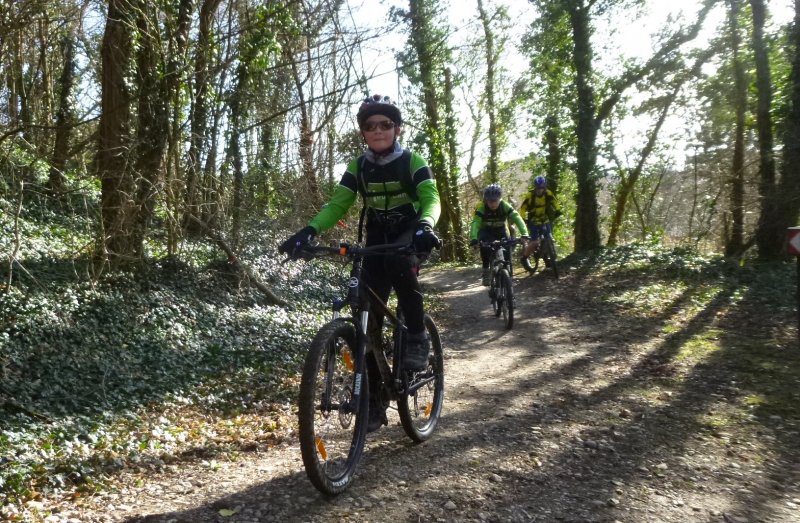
point(539, 208)
point(401, 203)
point(489, 223)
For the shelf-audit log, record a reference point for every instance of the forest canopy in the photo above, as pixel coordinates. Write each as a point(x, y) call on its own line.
point(143, 125)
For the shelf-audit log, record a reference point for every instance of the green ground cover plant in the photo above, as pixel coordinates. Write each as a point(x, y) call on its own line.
point(142, 368)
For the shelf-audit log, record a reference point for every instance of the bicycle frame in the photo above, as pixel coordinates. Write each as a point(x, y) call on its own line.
point(333, 407)
point(499, 247)
point(395, 382)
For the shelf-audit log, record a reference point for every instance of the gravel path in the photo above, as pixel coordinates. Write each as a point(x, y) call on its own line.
point(556, 420)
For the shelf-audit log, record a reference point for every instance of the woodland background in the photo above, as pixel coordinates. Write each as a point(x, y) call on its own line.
point(154, 152)
point(149, 123)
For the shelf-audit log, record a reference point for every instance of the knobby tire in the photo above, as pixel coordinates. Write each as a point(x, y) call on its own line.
point(526, 264)
point(550, 252)
point(331, 439)
point(497, 294)
point(420, 410)
point(508, 299)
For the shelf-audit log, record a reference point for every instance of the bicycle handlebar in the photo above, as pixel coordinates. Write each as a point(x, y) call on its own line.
point(501, 243)
point(353, 250)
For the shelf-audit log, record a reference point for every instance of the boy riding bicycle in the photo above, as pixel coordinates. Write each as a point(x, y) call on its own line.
point(490, 223)
point(401, 204)
point(540, 208)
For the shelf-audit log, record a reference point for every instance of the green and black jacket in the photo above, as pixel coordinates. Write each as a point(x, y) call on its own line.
point(495, 221)
point(391, 204)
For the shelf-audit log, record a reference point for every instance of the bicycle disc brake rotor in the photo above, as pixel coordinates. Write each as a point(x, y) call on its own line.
point(345, 417)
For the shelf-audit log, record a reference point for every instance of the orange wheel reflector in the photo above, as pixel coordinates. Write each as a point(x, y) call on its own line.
point(321, 449)
point(342, 251)
point(348, 359)
point(428, 409)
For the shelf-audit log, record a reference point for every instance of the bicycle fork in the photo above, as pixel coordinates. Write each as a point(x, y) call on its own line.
point(358, 362)
point(360, 371)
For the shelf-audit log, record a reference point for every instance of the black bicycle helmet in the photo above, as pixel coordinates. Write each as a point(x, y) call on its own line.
point(492, 192)
point(378, 104)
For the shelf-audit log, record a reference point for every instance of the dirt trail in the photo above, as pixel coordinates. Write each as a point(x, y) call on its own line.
point(546, 422)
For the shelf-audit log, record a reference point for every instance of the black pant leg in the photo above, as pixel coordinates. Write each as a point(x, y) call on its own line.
point(402, 272)
point(375, 276)
point(488, 235)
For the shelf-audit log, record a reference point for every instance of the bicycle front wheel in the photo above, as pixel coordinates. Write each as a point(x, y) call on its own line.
point(507, 305)
point(421, 406)
point(332, 435)
point(497, 294)
point(526, 264)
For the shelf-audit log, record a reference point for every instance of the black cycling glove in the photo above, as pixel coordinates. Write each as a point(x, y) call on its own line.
point(297, 241)
point(425, 239)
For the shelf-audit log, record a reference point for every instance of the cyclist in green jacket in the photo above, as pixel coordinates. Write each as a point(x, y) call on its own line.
point(490, 223)
point(402, 204)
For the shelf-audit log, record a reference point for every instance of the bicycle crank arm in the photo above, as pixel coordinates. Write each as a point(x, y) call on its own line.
point(417, 384)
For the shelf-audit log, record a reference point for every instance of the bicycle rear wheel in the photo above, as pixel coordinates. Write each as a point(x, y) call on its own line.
point(420, 408)
point(550, 255)
point(508, 299)
point(331, 435)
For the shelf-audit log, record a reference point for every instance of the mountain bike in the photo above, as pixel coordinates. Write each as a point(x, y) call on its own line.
point(545, 253)
point(501, 288)
point(334, 396)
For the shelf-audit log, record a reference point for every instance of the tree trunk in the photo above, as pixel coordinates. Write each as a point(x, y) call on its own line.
point(306, 146)
point(153, 123)
point(587, 214)
point(272, 144)
point(64, 118)
point(491, 107)
point(25, 118)
point(117, 183)
point(177, 87)
point(768, 238)
point(11, 81)
point(199, 111)
point(790, 169)
point(460, 245)
point(421, 12)
point(42, 89)
point(553, 148)
point(234, 153)
point(735, 242)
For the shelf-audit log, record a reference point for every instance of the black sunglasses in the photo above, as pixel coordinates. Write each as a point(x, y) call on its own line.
point(384, 125)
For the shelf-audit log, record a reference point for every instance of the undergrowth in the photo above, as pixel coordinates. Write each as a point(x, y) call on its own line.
point(134, 370)
point(184, 359)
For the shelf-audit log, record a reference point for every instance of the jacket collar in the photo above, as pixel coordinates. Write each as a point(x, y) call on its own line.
point(383, 159)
